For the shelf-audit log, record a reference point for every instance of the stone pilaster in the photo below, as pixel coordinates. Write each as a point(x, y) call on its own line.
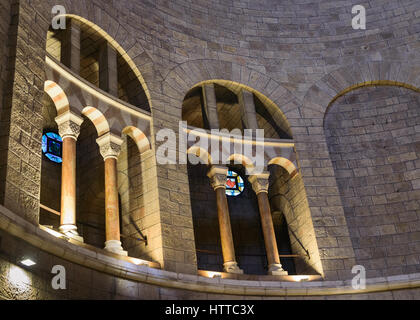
point(210, 105)
point(108, 75)
point(71, 46)
point(249, 115)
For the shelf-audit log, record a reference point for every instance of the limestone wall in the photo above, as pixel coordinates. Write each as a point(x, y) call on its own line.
point(373, 140)
point(89, 274)
point(300, 55)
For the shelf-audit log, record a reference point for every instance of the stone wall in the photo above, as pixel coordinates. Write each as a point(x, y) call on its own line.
point(133, 211)
point(373, 137)
point(22, 113)
point(279, 49)
point(288, 199)
point(5, 8)
point(18, 282)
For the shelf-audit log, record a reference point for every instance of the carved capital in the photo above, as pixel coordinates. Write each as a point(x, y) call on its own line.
point(260, 182)
point(109, 145)
point(218, 176)
point(69, 125)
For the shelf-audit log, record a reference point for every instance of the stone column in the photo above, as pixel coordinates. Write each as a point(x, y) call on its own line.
point(260, 186)
point(210, 105)
point(110, 147)
point(70, 53)
point(69, 130)
point(249, 115)
point(108, 76)
point(217, 177)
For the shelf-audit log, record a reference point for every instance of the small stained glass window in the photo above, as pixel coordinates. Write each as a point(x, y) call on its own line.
point(52, 146)
point(234, 184)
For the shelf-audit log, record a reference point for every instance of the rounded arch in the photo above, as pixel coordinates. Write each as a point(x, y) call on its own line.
point(202, 154)
point(58, 96)
point(98, 120)
point(372, 142)
point(284, 163)
point(243, 160)
point(343, 80)
point(275, 116)
point(119, 49)
point(181, 79)
point(139, 138)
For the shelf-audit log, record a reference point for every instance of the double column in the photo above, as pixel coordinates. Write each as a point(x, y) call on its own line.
point(218, 175)
point(260, 185)
point(110, 147)
point(69, 130)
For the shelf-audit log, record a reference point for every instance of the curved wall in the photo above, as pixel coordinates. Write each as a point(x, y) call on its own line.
point(280, 49)
point(374, 142)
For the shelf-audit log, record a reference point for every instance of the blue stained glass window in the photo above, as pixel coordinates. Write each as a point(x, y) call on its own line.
point(234, 184)
point(52, 146)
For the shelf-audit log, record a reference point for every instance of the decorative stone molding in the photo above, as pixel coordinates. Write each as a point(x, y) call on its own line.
point(260, 182)
point(218, 176)
point(69, 125)
point(109, 145)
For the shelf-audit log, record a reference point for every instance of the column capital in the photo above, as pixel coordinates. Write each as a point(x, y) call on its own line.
point(109, 145)
point(260, 182)
point(218, 176)
point(69, 125)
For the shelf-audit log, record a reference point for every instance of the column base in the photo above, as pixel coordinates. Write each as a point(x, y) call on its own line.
point(70, 230)
point(232, 267)
point(114, 246)
point(276, 270)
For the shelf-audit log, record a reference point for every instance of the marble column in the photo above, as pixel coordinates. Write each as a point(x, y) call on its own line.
point(110, 147)
point(69, 130)
point(260, 185)
point(217, 175)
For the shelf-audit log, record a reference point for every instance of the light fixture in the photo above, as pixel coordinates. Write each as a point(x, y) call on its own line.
point(28, 262)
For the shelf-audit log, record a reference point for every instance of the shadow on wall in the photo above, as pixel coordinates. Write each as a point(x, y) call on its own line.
point(288, 198)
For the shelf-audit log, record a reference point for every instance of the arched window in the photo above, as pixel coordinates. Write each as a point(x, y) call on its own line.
point(52, 146)
point(234, 184)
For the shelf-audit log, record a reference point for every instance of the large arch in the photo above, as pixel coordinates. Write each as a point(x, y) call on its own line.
point(373, 145)
point(179, 80)
point(119, 49)
point(316, 166)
